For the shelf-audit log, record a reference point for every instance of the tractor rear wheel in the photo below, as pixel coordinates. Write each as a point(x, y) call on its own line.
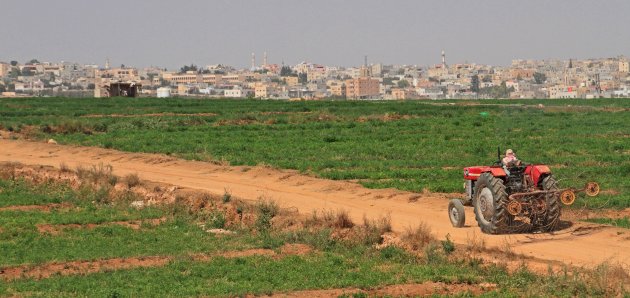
point(490, 202)
point(551, 218)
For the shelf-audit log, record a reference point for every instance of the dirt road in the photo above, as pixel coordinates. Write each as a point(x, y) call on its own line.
point(581, 244)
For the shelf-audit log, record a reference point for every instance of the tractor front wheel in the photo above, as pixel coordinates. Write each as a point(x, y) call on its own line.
point(456, 213)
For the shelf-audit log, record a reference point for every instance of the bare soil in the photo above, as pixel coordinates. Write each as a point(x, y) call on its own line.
point(577, 243)
point(88, 267)
point(79, 267)
point(132, 224)
point(146, 115)
point(401, 290)
point(41, 208)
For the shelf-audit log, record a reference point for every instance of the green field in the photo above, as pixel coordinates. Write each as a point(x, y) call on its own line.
point(332, 263)
point(409, 145)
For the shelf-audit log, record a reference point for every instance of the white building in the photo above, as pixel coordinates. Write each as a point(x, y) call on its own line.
point(237, 92)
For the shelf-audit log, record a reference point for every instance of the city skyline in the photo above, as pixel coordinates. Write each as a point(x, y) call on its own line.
point(142, 33)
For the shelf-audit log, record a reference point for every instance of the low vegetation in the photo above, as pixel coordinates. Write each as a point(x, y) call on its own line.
point(272, 249)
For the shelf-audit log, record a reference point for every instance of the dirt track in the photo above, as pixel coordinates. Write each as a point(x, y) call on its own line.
point(580, 244)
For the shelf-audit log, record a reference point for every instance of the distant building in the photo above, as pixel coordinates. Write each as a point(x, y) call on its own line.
point(624, 66)
point(5, 68)
point(261, 91)
point(163, 92)
point(562, 91)
point(237, 92)
point(338, 90)
point(291, 81)
point(362, 88)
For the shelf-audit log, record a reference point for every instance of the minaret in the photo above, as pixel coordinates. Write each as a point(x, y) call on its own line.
point(365, 70)
point(443, 60)
point(253, 60)
point(265, 59)
point(107, 63)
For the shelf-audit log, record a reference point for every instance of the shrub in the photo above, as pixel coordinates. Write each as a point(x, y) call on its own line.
point(227, 196)
point(216, 219)
point(447, 245)
point(132, 180)
point(265, 210)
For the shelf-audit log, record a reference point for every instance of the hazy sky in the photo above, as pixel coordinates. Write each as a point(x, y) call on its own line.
point(332, 32)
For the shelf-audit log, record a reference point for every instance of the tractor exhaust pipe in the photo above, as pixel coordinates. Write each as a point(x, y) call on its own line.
point(499, 154)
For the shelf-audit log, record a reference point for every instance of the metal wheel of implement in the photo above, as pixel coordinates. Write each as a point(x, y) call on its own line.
point(514, 208)
point(567, 197)
point(592, 189)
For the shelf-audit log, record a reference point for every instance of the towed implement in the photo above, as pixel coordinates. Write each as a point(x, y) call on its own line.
point(514, 198)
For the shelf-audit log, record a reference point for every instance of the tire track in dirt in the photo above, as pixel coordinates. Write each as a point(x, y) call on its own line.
point(586, 247)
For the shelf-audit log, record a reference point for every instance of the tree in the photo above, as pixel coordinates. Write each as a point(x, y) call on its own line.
point(2, 88)
point(15, 72)
point(540, 78)
point(33, 61)
point(187, 68)
point(302, 78)
point(403, 84)
point(474, 83)
point(14, 63)
point(501, 91)
point(487, 79)
point(27, 72)
point(286, 71)
point(386, 81)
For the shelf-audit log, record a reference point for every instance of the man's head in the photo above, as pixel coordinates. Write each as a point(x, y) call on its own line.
point(509, 152)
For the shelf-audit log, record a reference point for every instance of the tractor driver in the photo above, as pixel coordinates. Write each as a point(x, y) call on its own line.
point(510, 159)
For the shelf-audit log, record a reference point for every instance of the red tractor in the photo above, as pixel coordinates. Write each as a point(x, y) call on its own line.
point(514, 198)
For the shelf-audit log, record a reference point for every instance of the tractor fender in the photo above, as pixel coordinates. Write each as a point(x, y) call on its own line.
point(498, 172)
point(538, 172)
point(472, 173)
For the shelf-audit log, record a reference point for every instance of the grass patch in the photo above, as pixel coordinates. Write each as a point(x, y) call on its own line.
point(618, 222)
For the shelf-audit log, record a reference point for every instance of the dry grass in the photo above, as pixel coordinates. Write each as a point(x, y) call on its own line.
point(132, 180)
point(7, 170)
point(342, 220)
point(330, 219)
point(65, 168)
point(97, 174)
point(419, 237)
point(475, 244)
point(612, 279)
